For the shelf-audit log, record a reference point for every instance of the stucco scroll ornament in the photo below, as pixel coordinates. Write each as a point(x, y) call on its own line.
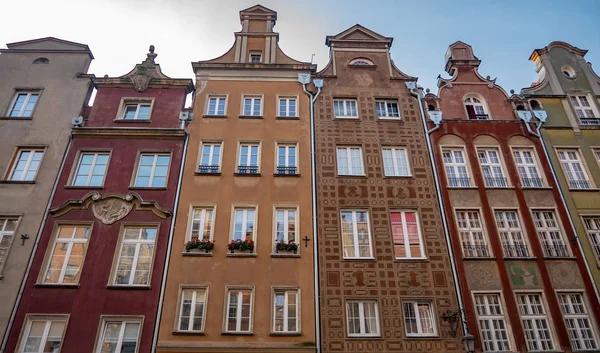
point(111, 209)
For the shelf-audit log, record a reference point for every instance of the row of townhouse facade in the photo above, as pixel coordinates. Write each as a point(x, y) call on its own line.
point(296, 210)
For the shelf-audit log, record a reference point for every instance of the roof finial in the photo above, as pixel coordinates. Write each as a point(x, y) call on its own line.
point(512, 91)
point(151, 55)
point(151, 49)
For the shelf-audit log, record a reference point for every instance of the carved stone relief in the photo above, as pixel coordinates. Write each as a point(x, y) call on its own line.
point(112, 209)
point(482, 275)
point(565, 275)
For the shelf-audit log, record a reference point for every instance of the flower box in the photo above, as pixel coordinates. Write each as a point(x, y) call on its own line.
point(241, 245)
point(289, 247)
point(197, 245)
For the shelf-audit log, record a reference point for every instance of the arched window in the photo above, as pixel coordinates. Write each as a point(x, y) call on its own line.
point(361, 62)
point(520, 107)
point(535, 105)
point(431, 107)
point(41, 61)
point(568, 71)
point(476, 109)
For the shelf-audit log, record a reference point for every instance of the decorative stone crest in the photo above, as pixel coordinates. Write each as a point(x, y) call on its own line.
point(141, 80)
point(352, 191)
point(112, 208)
point(400, 192)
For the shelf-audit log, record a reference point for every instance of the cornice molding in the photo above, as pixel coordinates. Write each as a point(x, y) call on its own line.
point(129, 132)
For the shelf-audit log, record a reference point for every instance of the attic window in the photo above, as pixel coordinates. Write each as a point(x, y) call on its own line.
point(361, 62)
point(535, 105)
point(431, 107)
point(568, 71)
point(255, 57)
point(520, 107)
point(41, 61)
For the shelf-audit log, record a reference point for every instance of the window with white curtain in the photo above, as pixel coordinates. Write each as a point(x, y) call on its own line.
point(350, 161)
point(419, 318)
point(395, 161)
point(362, 318)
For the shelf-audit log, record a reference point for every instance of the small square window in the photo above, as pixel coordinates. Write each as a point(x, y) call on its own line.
point(362, 317)
point(345, 108)
point(23, 104)
point(43, 333)
point(119, 335)
point(217, 105)
point(387, 109)
point(287, 159)
point(91, 169)
point(136, 111)
point(287, 107)
point(26, 164)
point(252, 106)
point(152, 170)
point(255, 57)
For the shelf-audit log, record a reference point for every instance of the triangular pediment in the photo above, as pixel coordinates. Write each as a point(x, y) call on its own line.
point(258, 12)
point(258, 9)
point(358, 33)
point(48, 43)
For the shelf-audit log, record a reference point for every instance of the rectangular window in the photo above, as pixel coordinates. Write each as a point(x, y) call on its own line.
point(286, 314)
point(511, 235)
point(26, 164)
point(249, 158)
point(252, 106)
point(202, 223)
point(395, 161)
point(67, 254)
point(210, 158)
point(91, 169)
point(152, 170)
point(23, 104)
point(471, 234)
point(191, 312)
point(456, 167)
point(243, 224)
point(216, 105)
point(597, 155)
point(136, 255)
point(119, 335)
point(574, 169)
point(349, 161)
point(549, 232)
point(387, 109)
point(577, 320)
point(535, 322)
point(528, 169)
point(491, 322)
point(406, 232)
point(345, 108)
point(592, 226)
point(491, 166)
point(136, 111)
point(362, 318)
point(287, 160)
point(585, 112)
point(8, 225)
point(255, 57)
point(286, 224)
point(43, 334)
point(287, 107)
point(356, 234)
point(419, 318)
point(239, 310)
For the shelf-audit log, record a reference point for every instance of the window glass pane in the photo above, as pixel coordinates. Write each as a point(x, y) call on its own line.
point(144, 112)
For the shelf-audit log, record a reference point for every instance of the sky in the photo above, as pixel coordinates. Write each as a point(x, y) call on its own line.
point(503, 33)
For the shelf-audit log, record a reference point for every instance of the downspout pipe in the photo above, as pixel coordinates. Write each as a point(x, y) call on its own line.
point(170, 243)
point(304, 79)
point(35, 246)
point(412, 87)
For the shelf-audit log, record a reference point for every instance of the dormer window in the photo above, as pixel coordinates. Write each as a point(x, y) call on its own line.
point(568, 71)
point(476, 109)
point(135, 109)
point(361, 62)
point(41, 61)
point(535, 105)
point(255, 57)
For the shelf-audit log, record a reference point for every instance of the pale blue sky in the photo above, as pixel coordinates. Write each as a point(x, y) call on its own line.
point(503, 33)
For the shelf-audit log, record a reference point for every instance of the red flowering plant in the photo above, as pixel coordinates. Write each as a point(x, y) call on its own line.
point(239, 244)
point(281, 245)
point(201, 244)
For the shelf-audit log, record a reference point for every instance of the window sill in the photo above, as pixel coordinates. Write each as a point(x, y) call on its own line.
point(398, 176)
point(560, 258)
point(15, 118)
point(283, 255)
point(461, 187)
point(203, 173)
point(490, 258)
point(136, 121)
point(500, 187)
point(389, 119)
point(83, 187)
point(423, 337)
point(210, 116)
point(412, 260)
point(285, 333)
point(352, 176)
point(188, 333)
point(17, 181)
point(200, 254)
point(583, 190)
point(345, 118)
point(286, 175)
point(242, 254)
point(227, 333)
point(118, 287)
point(56, 285)
point(536, 188)
point(519, 258)
point(278, 117)
point(365, 337)
point(366, 259)
point(147, 188)
point(250, 116)
point(247, 174)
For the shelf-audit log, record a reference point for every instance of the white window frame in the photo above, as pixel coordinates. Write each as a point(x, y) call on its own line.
point(249, 144)
point(529, 171)
point(406, 236)
point(92, 167)
point(362, 318)
point(26, 169)
point(597, 155)
point(69, 242)
point(238, 315)
point(457, 179)
point(287, 146)
point(201, 221)
point(494, 315)
point(218, 99)
point(592, 228)
point(534, 318)
point(346, 105)
point(28, 95)
point(468, 234)
point(151, 177)
point(549, 235)
point(7, 233)
point(577, 179)
point(137, 105)
point(288, 113)
point(192, 316)
point(355, 240)
point(49, 320)
point(286, 309)
point(476, 102)
point(415, 307)
point(212, 145)
point(511, 233)
point(574, 317)
point(138, 244)
point(245, 209)
point(382, 106)
point(492, 172)
point(286, 224)
point(105, 320)
point(254, 54)
point(396, 152)
point(350, 166)
point(253, 98)
point(584, 107)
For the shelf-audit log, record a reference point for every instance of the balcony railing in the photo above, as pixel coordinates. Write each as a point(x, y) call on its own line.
point(580, 184)
point(476, 251)
point(555, 250)
point(465, 182)
point(533, 182)
point(479, 117)
point(247, 169)
point(589, 121)
point(208, 169)
point(283, 170)
point(496, 182)
point(515, 250)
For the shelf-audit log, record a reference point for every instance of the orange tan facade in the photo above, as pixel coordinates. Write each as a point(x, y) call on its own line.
point(241, 267)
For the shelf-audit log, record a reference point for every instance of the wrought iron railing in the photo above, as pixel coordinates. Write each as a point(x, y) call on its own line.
point(555, 250)
point(589, 121)
point(496, 182)
point(247, 169)
point(515, 250)
point(533, 182)
point(476, 250)
point(283, 170)
point(208, 168)
point(479, 117)
point(579, 184)
point(459, 182)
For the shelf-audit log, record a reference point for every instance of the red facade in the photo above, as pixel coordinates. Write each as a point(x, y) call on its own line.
point(117, 205)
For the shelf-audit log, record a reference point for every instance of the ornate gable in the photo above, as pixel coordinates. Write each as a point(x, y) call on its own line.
point(258, 12)
point(359, 36)
point(48, 45)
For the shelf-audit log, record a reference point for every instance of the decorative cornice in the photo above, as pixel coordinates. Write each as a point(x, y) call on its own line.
point(110, 207)
point(128, 132)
